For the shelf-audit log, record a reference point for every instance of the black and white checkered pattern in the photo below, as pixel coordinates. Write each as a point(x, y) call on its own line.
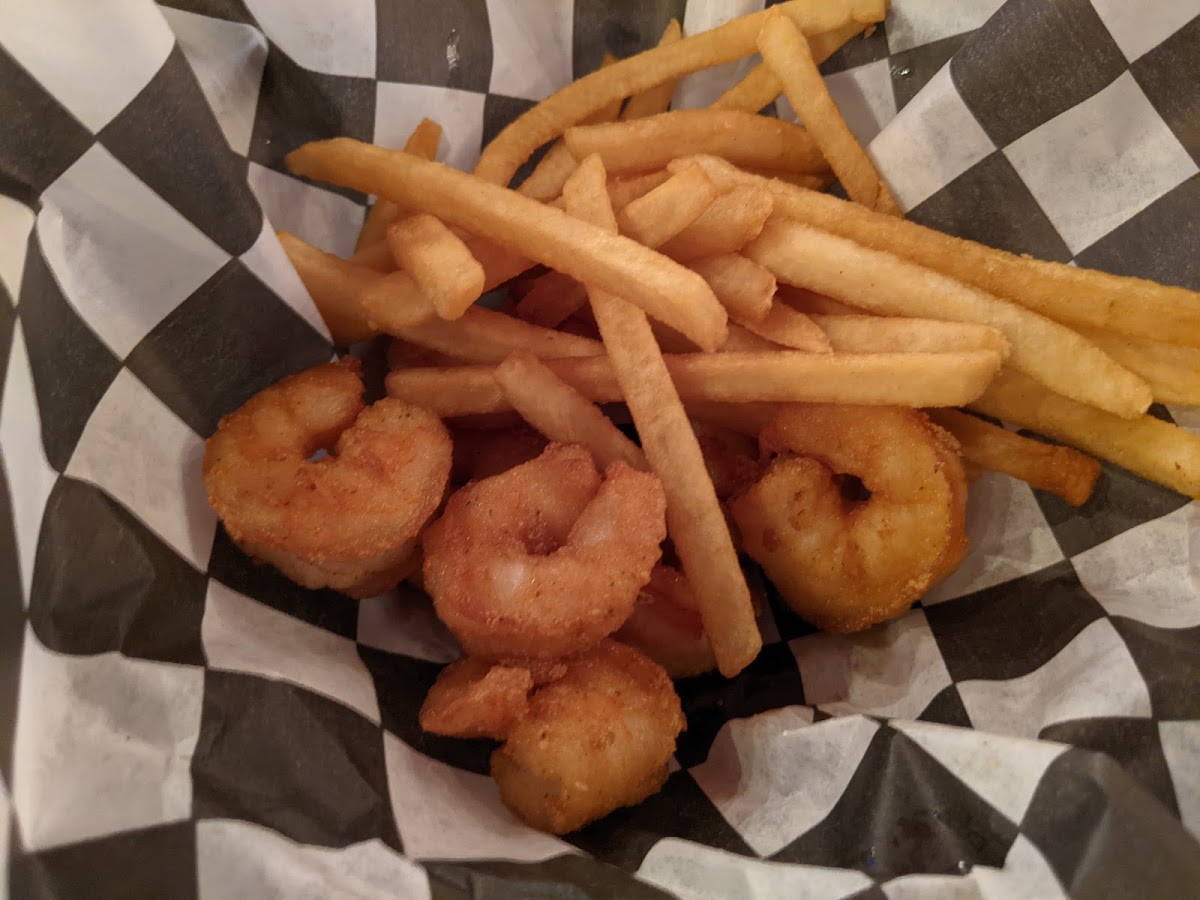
point(177, 721)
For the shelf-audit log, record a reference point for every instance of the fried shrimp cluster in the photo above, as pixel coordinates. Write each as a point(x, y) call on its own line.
point(845, 561)
point(544, 560)
point(349, 520)
point(581, 739)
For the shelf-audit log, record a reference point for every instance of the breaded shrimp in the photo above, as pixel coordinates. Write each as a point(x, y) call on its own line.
point(348, 521)
point(545, 559)
point(666, 625)
point(474, 698)
point(842, 562)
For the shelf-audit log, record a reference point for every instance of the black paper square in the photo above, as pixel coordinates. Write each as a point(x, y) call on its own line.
point(947, 709)
point(1052, 56)
point(989, 203)
point(40, 139)
point(8, 321)
point(1012, 629)
point(621, 29)
point(446, 44)
point(498, 111)
point(71, 368)
point(571, 876)
point(280, 756)
point(168, 138)
point(1164, 75)
point(230, 10)
point(858, 51)
point(1169, 660)
point(912, 69)
point(901, 813)
point(226, 342)
point(12, 629)
point(1158, 243)
point(103, 581)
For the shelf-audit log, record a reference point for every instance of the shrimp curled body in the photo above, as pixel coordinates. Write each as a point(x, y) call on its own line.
point(545, 559)
point(841, 562)
point(348, 521)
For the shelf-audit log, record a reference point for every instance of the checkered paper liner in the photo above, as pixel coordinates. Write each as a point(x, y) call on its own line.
point(178, 721)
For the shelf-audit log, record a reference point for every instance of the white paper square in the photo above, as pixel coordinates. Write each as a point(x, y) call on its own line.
point(1148, 573)
point(703, 87)
point(16, 221)
point(1099, 163)
point(240, 859)
point(1008, 536)
point(400, 107)
point(30, 477)
point(334, 39)
point(158, 480)
point(1181, 747)
point(447, 813)
point(243, 635)
point(104, 744)
point(932, 141)
point(270, 265)
point(864, 96)
point(914, 23)
point(894, 669)
point(69, 47)
point(228, 60)
point(324, 219)
point(1092, 676)
point(122, 255)
point(403, 621)
point(532, 46)
point(752, 776)
point(1139, 27)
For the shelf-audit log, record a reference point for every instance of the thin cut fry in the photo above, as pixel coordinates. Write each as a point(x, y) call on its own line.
point(786, 51)
point(657, 99)
point(563, 414)
point(438, 261)
point(744, 287)
point(334, 285)
point(668, 209)
point(1059, 470)
point(788, 328)
point(826, 44)
point(663, 288)
point(485, 336)
point(695, 520)
point(1146, 446)
point(739, 137)
point(423, 142)
point(734, 219)
point(1067, 294)
point(546, 180)
point(1172, 372)
point(729, 42)
point(884, 334)
point(553, 298)
point(881, 282)
point(784, 376)
point(623, 191)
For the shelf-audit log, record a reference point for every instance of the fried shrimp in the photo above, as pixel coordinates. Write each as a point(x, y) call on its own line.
point(348, 521)
point(841, 561)
point(666, 625)
point(545, 559)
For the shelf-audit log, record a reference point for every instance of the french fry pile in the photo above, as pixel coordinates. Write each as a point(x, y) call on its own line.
point(685, 264)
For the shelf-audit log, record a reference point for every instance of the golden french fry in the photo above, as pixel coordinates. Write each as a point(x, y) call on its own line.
point(1146, 446)
point(661, 214)
point(883, 334)
point(377, 256)
point(423, 142)
point(786, 51)
point(623, 191)
point(827, 43)
point(662, 287)
point(553, 298)
point(732, 220)
point(438, 261)
point(657, 99)
point(1067, 294)
point(726, 43)
point(1173, 372)
point(695, 520)
point(811, 182)
point(789, 328)
point(783, 376)
point(881, 282)
point(563, 414)
point(740, 137)
point(1059, 470)
point(546, 180)
point(334, 285)
point(744, 287)
point(484, 336)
